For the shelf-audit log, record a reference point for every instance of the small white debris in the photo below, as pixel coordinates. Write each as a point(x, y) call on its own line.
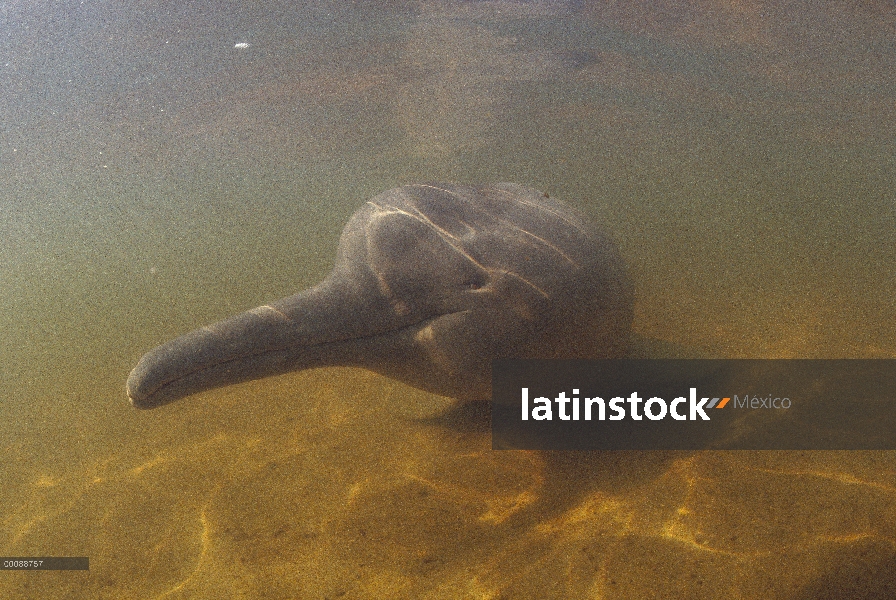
point(241, 45)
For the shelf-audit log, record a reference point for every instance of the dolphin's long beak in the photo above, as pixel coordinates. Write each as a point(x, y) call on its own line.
point(314, 328)
point(248, 346)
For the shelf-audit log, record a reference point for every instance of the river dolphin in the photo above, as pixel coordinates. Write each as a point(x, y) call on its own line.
point(431, 283)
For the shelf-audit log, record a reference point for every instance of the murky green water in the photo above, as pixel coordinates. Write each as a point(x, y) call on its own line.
point(154, 178)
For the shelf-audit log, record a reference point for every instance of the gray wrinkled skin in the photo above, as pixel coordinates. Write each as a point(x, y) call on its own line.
point(431, 283)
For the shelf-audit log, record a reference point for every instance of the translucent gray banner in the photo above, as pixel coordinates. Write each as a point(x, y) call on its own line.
point(694, 404)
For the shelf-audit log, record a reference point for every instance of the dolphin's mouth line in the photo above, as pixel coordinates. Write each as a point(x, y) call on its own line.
point(237, 359)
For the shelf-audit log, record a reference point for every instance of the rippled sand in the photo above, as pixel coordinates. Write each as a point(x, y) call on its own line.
point(339, 483)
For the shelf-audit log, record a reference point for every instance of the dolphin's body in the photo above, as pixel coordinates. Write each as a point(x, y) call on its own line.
point(431, 283)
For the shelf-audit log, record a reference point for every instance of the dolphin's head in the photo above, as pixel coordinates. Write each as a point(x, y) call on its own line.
point(431, 283)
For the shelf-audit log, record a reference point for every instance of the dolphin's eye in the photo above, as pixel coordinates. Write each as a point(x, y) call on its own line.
point(474, 281)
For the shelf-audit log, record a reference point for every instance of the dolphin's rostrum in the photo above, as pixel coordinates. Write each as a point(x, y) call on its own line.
point(431, 283)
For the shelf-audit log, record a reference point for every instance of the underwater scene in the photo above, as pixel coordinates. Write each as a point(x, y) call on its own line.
point(165, 166)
